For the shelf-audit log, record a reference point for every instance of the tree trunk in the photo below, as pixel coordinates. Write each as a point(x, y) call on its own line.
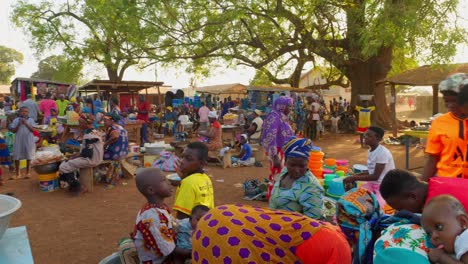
point(363, 76)
point(113, 74)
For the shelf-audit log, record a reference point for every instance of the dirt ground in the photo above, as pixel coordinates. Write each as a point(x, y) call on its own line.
point(85, 229)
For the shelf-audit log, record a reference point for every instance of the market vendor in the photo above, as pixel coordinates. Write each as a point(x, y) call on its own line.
point(255, 130)
point(90, 155)
point(62, 104)
point(214, 136)
point(115, 147)
point(446, 142)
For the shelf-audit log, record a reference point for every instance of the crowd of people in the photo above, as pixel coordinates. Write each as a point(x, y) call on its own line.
point(429, 224)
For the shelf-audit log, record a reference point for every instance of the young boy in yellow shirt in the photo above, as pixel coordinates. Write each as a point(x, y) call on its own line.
point(195, 187)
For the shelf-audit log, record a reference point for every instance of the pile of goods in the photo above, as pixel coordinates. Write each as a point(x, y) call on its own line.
point(47, 155)
point(230, 119)
point(72, 118)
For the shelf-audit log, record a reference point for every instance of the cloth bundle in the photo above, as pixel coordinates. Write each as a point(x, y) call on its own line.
point(166, 162)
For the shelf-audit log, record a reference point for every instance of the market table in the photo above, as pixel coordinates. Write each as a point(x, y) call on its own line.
point(412, 133)
point(134, 131)
point(14, 247)
point(230, 128)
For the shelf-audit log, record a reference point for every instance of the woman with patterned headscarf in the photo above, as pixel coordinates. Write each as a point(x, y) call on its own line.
point(91, 155)
point(115, 147)
point(276, 132)
point(446, 143)
point(297, 189)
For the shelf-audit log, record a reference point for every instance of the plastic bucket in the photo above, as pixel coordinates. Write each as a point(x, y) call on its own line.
point(336, 188)
point(342, 163)
point(48, 182)
point(330, 162)
point(340, 173)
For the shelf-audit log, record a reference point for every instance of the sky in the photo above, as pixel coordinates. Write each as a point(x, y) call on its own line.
point(13, 37)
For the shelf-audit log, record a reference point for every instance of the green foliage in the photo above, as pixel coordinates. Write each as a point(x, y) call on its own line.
point(280, 37)
point(260, 79)
point(59, 68)
point(108, 32)
point(8, 58)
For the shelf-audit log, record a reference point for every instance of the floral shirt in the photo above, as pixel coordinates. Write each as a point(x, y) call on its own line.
point(153, 235)
point(402, 240)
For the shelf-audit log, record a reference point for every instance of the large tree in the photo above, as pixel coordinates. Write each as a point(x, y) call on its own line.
point(105, 31)
point(8, 58)
point(59, 68)
point(281, 37)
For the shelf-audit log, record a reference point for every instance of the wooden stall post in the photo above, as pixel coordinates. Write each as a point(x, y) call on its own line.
point(393, 104)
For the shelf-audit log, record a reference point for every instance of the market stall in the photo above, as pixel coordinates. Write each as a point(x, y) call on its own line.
point(21, 87)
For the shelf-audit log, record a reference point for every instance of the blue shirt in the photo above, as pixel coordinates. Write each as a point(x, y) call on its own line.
point(248, 152)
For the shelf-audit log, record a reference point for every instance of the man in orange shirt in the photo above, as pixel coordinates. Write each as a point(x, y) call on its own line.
point(447, 140)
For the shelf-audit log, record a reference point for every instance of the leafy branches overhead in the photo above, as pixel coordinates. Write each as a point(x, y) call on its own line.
point(59, 68)
point(8, 58)
point(102, 31)
point(281, 37)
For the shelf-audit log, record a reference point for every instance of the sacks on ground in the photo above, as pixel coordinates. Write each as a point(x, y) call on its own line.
point(166, 162)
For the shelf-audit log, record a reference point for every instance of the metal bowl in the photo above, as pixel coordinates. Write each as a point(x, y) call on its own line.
point(47, 168)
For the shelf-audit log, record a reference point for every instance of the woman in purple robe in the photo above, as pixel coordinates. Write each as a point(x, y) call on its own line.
point(276, 132)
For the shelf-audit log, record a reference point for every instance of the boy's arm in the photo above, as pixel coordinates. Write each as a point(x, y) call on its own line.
point(379, 167)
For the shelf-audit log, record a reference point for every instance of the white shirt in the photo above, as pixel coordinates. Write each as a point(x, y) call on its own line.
point(184, 119)
point(259, 121)
point(334, 120)
point(315, 107)
point(380, 155)
point(461, 244)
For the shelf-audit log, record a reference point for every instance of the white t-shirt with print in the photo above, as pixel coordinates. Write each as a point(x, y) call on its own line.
point(461, 244)
point(380, 155)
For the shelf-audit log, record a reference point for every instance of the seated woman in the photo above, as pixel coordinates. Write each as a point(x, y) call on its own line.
point(246, 234)
point(296, 188)
point(246, 151)
point(214, 136)
point(115, 147)
point(90, 155)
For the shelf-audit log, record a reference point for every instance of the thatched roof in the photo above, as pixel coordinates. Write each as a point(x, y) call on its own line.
point(427, 75)
point(232, 88)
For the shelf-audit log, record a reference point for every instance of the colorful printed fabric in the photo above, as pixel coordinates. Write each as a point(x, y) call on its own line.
point(357, 211)
point(5, 157)
point(115, 172)
point(245, 234)
point(118, 149)
point(361, 218)
point(298, 148)
point(153, 235)
point(454, 82)
point(276, 128)
point(305, 196)
point(398, 242)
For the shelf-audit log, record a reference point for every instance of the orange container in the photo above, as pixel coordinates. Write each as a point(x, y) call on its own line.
point(315, 165)
point(317, 173)
point(330, 162)
point(316, 155)
point(341, 168)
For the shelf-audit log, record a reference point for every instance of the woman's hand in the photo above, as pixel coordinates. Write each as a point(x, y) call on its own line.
point(348, 182)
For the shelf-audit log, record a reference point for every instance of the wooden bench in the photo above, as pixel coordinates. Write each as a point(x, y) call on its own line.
point(87, 174)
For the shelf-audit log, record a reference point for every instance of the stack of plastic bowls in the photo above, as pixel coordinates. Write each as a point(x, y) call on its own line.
point(340, 173)
point(336, 188)
point(316, 162)
point(342, 165)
